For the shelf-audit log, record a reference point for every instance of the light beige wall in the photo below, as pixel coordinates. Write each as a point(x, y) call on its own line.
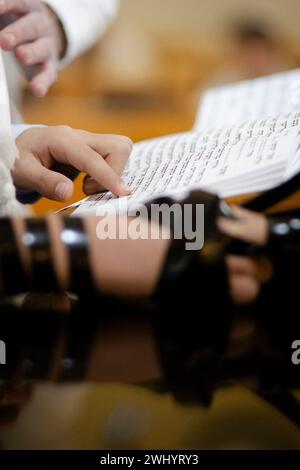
point(207, 17)
point(146, 28)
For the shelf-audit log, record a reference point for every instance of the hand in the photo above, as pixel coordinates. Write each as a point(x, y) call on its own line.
point(37, 39)
point(103, 157)
point(244, 279)
point(246, 275)
point(247, 226)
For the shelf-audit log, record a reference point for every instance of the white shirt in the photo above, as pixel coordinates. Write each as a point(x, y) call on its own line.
point(84, 21)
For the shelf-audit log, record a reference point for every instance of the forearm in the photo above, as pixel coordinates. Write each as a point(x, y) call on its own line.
point(126, 266)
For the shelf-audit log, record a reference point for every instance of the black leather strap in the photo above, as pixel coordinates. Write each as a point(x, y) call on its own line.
point(37, 239)
point(273, 196)
point(13, 276)
point(193, 325)
point(77, 240)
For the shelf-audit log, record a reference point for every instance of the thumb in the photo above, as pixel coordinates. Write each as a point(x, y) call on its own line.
point(53, 185)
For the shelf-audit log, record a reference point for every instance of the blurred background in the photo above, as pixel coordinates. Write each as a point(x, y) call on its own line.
point(145, 79)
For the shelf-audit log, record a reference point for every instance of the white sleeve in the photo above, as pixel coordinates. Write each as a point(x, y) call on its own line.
point(84, 21)
point(18, 129)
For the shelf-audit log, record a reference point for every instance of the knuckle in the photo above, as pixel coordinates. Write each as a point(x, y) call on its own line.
point(21, 54)
point(43, 181)
point(64, 129)
point(62, 136)
point(125, 144)
point(126, 141)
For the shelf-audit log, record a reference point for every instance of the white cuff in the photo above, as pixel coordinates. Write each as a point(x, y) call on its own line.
point(18, 129)
point(84, 21)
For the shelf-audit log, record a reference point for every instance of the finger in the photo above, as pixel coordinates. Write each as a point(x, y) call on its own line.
point(244, 289)
point(26, 29)
point(46, 182)
point(93, 164)
point(90, 186)
point(253, 229)
point(76, 153)
point(35, 53)
point(18, 7)
point(244, 279)
point(241, 265)
point(42, 81)
point(114, 149)
point(259, 269)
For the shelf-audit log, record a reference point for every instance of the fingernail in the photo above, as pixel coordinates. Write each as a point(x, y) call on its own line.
point(10, 40)
point(124, 189)
point(63, 191)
